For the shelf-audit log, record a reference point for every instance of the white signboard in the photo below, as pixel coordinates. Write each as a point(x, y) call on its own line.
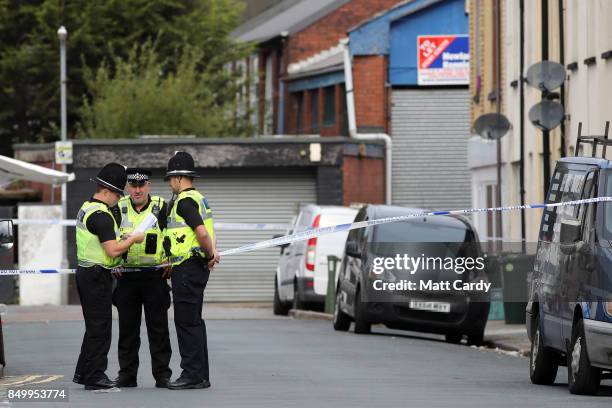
point(63, 152)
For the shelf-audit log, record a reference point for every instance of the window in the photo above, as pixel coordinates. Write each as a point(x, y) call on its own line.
point(299, 111)
point(329, 114)
point(314, 111)
point(567, 185)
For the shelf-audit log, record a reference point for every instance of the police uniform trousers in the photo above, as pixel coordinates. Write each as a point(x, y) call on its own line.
point(94, 286)
point(134, 291)
point(188, 282)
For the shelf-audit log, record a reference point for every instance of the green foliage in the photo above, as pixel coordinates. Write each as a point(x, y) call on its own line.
point(140, 99)
point(101, 31)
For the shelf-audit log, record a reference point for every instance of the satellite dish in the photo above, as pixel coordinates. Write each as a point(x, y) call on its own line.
point(546, 115)
point(492, 126)
point(546, 75)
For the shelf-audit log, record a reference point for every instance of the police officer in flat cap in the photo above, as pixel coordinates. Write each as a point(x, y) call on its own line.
point(142, 283)
point(99, 250)
point(193, 255)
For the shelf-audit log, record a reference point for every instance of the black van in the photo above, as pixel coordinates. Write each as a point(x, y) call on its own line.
point(569, 313)
point(454, 310)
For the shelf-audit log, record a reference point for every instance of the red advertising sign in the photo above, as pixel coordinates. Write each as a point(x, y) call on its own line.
point(443, 59)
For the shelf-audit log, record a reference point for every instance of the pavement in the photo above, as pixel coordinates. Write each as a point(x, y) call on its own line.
point(267, 361)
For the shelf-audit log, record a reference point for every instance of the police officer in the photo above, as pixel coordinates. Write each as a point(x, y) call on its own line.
point(99, 250)
point(142, 284)
point(193, 255)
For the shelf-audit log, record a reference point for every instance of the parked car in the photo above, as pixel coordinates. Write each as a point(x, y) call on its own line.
point(569, 312)
point(450, 312)
point(301, 275)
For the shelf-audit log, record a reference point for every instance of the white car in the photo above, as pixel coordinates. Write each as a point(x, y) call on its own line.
point(301, 275)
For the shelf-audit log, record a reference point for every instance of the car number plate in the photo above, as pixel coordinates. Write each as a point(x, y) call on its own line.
point(440, 307)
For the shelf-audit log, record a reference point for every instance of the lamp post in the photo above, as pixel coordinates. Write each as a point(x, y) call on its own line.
point(62, 33)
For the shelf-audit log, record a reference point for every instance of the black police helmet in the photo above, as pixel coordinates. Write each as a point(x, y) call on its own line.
point(112, 176)
point(181, 164)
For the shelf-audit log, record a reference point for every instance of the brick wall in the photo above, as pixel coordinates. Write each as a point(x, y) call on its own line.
point(371, 96)
point(326, 32)
point(363, 180)
point(42, 157)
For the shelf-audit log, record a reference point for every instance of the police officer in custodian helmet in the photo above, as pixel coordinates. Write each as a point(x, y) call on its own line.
point(193, 255)
point(98, 251)
point(141, 283)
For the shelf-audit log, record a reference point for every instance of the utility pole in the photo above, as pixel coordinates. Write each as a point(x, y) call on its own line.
point(62, 34)
point(545, 133)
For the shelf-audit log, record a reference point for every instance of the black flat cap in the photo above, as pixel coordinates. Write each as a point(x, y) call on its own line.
point(138, 175)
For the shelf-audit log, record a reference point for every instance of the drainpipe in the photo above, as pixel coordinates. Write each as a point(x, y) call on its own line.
point(352, 121)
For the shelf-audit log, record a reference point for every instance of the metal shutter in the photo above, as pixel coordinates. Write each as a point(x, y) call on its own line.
point(249, 196)
point(430, 129)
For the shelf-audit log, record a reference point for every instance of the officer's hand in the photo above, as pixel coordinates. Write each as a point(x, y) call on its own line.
point(138, 237)
point(215, 260)
point(117, 272)
point(167, 271)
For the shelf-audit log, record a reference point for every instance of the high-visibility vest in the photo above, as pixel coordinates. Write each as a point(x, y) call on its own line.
point(90, 251)
point(138, 255)
point(182, 238)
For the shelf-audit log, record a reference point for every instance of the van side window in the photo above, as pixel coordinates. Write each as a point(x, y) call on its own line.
point(589, 191)
point(570, 190)
point(554, 196)
point(567, 185)
point(587, 211)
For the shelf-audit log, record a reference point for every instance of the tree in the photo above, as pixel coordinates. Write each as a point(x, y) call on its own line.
point(97, 31)
point(140, 98)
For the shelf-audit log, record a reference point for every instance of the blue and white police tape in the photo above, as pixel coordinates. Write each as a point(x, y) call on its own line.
point(6, 272)
point(225, 226)
point(71, 271)
point(317, 232)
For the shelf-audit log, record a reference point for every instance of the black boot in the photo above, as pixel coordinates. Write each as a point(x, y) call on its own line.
point(102, 384)
point(184, 383)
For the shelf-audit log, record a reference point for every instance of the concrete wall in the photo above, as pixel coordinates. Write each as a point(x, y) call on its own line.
point(40, 247)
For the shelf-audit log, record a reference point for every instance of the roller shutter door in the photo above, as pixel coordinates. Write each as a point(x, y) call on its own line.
point(430, 129)
point(249, 197)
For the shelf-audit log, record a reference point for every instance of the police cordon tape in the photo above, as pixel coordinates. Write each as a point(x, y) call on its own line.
point(317, 232)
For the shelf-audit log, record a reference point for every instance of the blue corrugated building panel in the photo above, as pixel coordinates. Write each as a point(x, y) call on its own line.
point(395, 32)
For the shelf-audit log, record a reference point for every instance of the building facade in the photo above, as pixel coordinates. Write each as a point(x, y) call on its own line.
point(411, 73)
point(284, 98)
point(573, 33)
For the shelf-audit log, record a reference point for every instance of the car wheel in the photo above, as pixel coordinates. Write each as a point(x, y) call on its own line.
point(342, 321)
point(362, 326)
point(543, 363)
point(280, 308)
point(476, 338)
point(582, 377)
point(453, 338)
